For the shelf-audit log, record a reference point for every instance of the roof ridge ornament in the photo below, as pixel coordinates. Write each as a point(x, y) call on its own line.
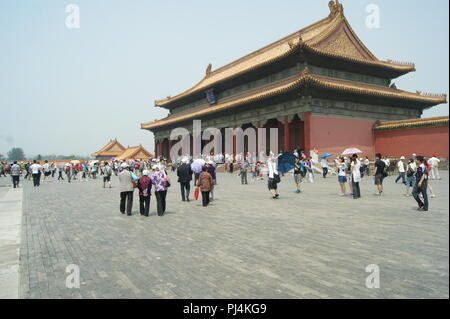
point(335, 8)
point(208, 70)
point(305, 72)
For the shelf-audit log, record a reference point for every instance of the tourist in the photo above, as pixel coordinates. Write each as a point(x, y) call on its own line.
point(324, 164)
point(46, 168)
point(243, 173)
point(428, 165)
point(144, 186)
point(36, 173)
point(388, 164)
point(107, 173)
point(434, 167)
point(84, 171)
point(68, 169)
point(184, 173)
point(342, 178)
point(310, 169)
point(210, 166)
point(274, 177)
point(161, 182)
point(367, 165)
point(205, 184)
point(380, 173)
point(410, 178)
point(421, 184)
point(2, 169)
point(53, 169)
point(126, 190)
point(401, 166)
point(60, 171)
point(27, 170)
point(93, 171)
point(15, 174)
point(356, 176)
point(299, 169)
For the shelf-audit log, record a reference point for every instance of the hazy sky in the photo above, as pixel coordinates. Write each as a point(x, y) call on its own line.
point(65, 91)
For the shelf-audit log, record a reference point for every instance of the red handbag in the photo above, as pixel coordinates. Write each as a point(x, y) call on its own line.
point(196, 191)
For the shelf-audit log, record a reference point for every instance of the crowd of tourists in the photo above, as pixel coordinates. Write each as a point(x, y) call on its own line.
point(151, 175)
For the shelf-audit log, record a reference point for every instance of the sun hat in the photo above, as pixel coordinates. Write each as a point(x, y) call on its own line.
point(402, 158)
point(124, 165)
point(145, 172)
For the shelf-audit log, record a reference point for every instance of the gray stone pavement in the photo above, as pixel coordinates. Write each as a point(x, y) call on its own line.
point(10, 227)
point(245, 245)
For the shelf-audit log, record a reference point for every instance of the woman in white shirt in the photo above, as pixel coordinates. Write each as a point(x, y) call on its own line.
point(356, 176)
point(342, 178)
point(273, 176)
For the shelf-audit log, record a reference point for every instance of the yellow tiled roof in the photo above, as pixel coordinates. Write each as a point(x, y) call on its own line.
point(314, 37)
point(432, 121)
point(107, 149)
point(294, 82)
point(133, 152)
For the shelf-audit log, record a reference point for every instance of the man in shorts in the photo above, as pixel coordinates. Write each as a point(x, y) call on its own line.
point(380, 173)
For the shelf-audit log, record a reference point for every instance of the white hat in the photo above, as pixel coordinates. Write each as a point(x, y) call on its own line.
point(156, 167)
point(185, 160)
point(124, 165)
point(414, 154)
point(145, 172)
point(402, 158)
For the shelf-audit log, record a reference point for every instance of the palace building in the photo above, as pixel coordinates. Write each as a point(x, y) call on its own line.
point(321, 87)
point(112, 149)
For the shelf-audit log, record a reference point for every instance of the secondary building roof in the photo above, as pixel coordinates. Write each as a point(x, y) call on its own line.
point(111, 149)
point(413, 123)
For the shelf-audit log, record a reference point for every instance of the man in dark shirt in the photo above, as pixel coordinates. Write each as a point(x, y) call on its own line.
point(421, 184)
point(184, 173)
point(380, 168)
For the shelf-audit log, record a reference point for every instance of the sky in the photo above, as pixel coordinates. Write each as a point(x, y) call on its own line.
point(70, 90)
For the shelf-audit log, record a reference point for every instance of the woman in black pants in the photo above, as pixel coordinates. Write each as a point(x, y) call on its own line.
point(161, 182)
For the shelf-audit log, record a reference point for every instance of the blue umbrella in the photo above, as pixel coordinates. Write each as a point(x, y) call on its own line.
point(10, 163)
point(286, 162)
point(326, 155)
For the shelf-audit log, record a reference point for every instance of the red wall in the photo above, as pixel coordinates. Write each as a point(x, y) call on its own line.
point(334, 134)
point(421, 141)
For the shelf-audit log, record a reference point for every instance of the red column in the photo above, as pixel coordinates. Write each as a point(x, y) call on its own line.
point(234, 145)
point(258, 125)
point(307, 132)
point(287, 144)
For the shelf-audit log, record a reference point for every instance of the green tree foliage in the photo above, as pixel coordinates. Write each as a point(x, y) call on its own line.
point(16, 154)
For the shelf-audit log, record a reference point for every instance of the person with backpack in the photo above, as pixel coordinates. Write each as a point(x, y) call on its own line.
point(107, 173)
point(380, 173)
point(144, 186)
point(205, 184)
point(421, 184)
point(401, 170)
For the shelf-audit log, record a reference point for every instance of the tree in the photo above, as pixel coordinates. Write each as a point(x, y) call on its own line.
point(16, 154)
